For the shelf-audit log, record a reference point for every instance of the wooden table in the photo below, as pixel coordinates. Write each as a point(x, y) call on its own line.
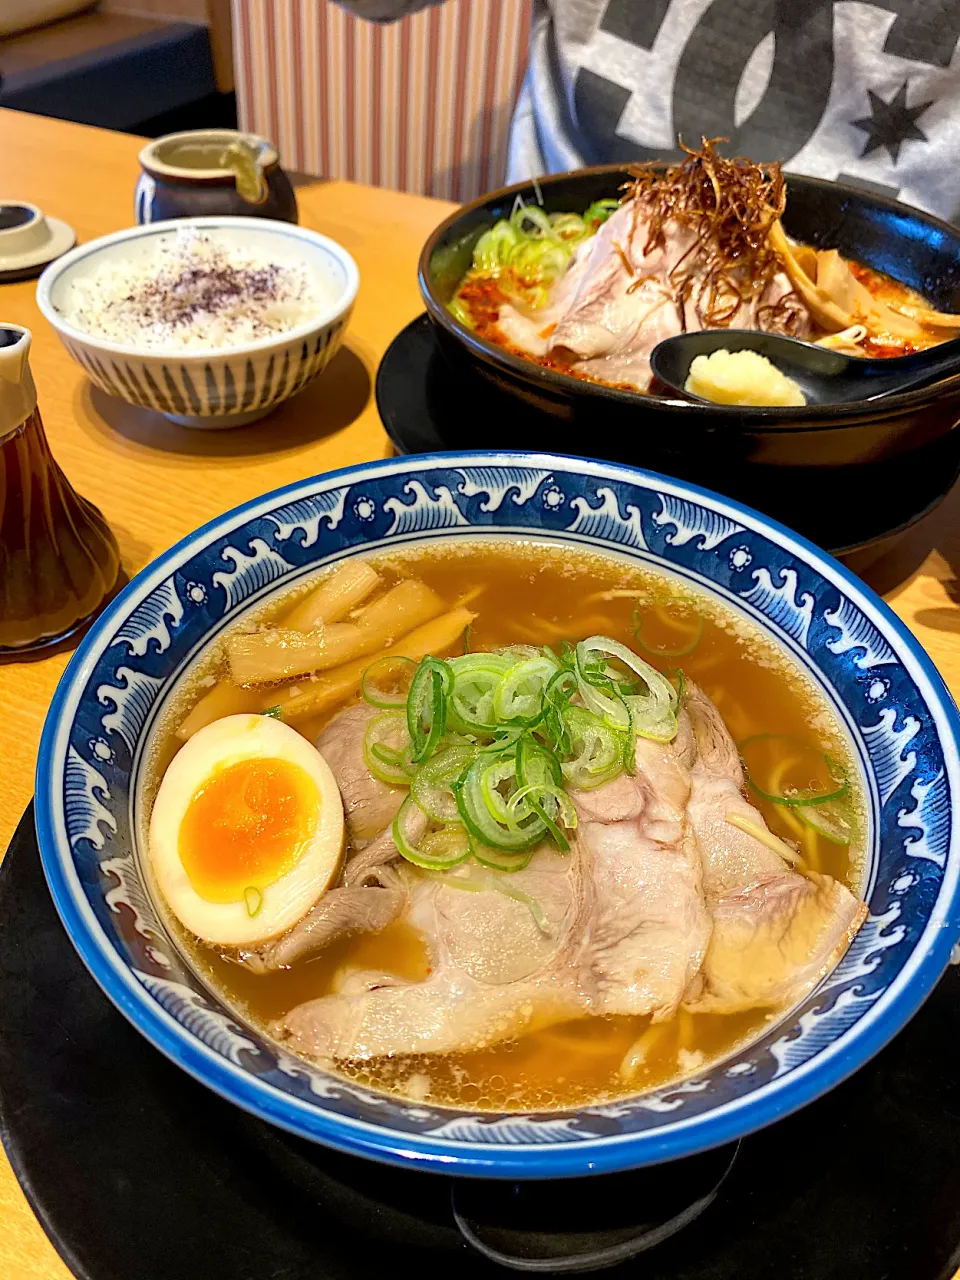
point(155, 482)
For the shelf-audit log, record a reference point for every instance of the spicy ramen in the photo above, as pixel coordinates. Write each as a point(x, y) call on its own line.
point(699, 245)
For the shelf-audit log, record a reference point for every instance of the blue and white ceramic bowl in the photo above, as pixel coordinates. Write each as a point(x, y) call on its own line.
point(215, 386)
point(900, 718)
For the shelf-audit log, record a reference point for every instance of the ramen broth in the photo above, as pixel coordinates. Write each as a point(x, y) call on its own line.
point(540, 594)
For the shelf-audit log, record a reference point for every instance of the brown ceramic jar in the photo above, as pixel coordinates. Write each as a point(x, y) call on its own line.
point(58, 559)
point(189, 175)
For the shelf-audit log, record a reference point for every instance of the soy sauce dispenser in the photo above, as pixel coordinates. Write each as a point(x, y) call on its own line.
point(58, 558)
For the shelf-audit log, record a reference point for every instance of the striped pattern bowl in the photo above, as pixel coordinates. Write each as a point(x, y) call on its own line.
point(211, 387)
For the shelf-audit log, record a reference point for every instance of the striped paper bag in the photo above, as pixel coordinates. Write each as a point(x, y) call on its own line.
point(421, 105)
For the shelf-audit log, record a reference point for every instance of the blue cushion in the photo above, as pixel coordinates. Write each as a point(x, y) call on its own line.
point(121, 84)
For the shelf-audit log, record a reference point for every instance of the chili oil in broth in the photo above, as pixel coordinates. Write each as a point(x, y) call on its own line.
point(482, 295)
point(535, 593)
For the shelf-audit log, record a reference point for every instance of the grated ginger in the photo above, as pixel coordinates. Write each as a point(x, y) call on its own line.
point(741, 378)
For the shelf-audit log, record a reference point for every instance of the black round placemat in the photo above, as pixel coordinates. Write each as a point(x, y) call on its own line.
point(429, 407)
point(138, 1173)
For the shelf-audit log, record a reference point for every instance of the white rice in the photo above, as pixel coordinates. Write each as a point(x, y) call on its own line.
point(191, 292)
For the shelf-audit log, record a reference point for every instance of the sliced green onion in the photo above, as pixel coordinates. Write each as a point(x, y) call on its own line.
point(598, 212)
point(567, 656)
point(529, 251)
point(568, 226)
point(435, 850)
point(483, 810)
point(649, 718)
point(601, 693)
point(540, 779)
point(273, 712)
point(492, 250)
point(538, 796)
point(475, 679)
point(650, 715)
point(543, 261)
point(253, 899)
point(385, 744)
point(556, 698)
point(537, 764)
point(629, 757)
point(489, 741)
point(833, 820)
point(661, 650)
point(786, 770)
point(501, 859)
point(598, 750)
point(450, 846)
point(519, 696)
point(656, 682)
point(498, 784)
point(504, 740)
point(432, 786)
point(461, 313)
point(427, 707)
point(527, 216)
point(386, 682)
point(679, 682)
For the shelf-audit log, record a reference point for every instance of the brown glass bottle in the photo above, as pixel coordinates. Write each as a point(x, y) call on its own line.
point(58, 558)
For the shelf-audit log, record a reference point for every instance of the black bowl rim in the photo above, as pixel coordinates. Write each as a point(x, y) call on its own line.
point(803, 418)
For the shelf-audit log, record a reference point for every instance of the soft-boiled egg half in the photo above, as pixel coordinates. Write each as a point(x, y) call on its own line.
point(246, 831)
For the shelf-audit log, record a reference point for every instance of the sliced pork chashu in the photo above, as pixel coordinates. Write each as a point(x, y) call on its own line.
point(371, 894)
point(661, 901)
point(340, 913)
point(649, 928)
point(623, 931)
point(626, 292)
point(496, 971)
point(775, 931)
point(369, 806)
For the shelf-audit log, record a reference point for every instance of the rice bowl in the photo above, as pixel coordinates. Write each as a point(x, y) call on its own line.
point(247, 312)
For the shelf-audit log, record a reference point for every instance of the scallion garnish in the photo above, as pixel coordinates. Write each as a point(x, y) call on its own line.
point(488, 742)
point(529, 251)
point(786, 770)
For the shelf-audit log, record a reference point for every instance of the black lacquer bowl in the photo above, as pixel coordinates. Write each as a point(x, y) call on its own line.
point(773, 458)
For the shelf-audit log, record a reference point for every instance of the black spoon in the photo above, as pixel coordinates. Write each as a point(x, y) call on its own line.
point(824, 376)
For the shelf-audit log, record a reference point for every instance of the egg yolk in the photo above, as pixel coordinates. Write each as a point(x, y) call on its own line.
point(246, 826)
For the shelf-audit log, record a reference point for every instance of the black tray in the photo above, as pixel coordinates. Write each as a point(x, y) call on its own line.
point(138, 1173)
point(428, 406)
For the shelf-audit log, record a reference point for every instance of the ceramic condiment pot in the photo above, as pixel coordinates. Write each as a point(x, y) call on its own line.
point(195, 174)
point(58, 558)
point(29, 240)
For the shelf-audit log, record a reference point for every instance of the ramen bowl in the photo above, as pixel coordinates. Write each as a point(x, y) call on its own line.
point(900, 721)
point(227, 383)
point(796, 464)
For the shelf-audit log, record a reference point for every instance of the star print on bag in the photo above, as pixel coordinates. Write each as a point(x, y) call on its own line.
point(891, 124)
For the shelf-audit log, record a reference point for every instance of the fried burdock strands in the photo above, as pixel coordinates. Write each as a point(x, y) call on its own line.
point(730, 205)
